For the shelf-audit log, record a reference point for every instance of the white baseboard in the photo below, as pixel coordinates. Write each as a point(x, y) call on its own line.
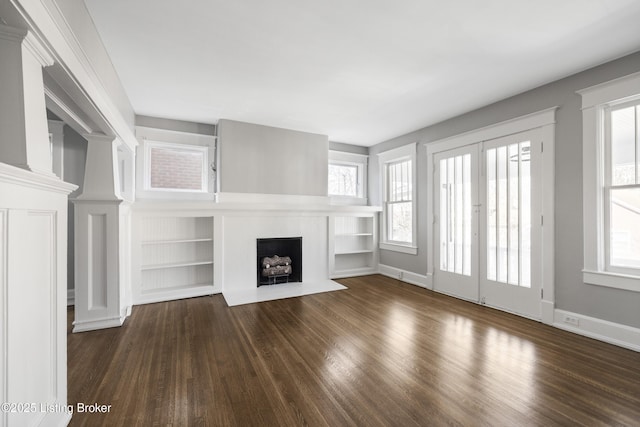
point(92, 325)
point(602, 330)
point(547, 312)
point(412, 278)
point(71, 297)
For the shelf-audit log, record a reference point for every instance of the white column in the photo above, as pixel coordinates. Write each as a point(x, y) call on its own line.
point(33, 242)
point(101, 237)
point(23, 119)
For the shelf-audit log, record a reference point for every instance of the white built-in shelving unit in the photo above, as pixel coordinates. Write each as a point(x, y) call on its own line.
point(175, 259)
point(353, 247)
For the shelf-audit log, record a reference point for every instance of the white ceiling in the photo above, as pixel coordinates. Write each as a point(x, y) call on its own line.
point(360, 71)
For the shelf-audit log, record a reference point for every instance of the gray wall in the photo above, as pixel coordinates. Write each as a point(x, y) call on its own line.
point(75, 156)
point(77, 16)
point(571, 293)
point(175, 125)
point(268, 160)
point(348, 148)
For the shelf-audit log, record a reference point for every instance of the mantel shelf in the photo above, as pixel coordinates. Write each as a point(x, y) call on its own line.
point(353, 234)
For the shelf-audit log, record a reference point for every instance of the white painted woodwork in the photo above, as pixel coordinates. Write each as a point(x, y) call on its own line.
point(175, 257)
point(182, 250)
point(101, 180)
point(33, 230)
point(23, 123)
point(102, 241)
point(352, 245)
point(56, 132)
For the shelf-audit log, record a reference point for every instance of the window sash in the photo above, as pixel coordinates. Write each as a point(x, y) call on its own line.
point(342, 187)
point(609, 184)
point(200, 151)
point(399, 181)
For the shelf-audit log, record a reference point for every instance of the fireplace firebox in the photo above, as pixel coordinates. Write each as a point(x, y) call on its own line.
point(279, 260)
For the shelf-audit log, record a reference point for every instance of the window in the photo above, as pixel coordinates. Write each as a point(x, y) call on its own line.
point(621, 190)
point(343, 180)
point(611, 172)
point(173, 167)
point(347, 178)
point(399, 217)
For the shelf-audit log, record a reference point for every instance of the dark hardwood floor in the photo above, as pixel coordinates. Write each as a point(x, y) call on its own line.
point(380, 353)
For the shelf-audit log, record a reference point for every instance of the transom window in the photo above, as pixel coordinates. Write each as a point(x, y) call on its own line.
point(343, 180)
point(175, 167)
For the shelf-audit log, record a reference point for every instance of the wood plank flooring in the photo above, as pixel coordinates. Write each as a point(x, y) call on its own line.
point(381, 353)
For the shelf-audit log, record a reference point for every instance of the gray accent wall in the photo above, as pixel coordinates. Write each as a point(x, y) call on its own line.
point(267, 160)
point(571, 294)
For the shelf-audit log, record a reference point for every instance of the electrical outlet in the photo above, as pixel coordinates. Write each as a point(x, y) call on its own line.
point(574, 321)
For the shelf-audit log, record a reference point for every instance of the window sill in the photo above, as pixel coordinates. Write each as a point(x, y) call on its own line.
point(612, 280)
point(396, 247)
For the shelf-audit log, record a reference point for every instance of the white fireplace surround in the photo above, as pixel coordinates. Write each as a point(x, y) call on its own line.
point(236, 226)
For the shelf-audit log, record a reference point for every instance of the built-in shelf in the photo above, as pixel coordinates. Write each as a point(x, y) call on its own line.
point(360, 251)
point(354, 245)
point(166, 242)
point(175, 257)
point(174, 265)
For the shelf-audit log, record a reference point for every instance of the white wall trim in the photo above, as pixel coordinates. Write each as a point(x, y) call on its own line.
point(612, 280)
point(618, 89)
point(422, 280)
point(259, 198)
point(595, 100)
point(497, 130)
point(18, 176)
point(60, 108)
point(94, 324)
point(602, 330)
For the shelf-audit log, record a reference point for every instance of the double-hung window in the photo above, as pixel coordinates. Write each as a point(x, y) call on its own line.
point(399, 190)
point(611, 188)
point(621, 189)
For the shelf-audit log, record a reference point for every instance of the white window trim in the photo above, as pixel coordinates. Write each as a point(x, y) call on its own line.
point(406, 152)
point(595, 100)
point(361, 161)
point(181, 140)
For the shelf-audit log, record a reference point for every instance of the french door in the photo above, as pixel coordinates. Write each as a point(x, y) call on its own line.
point(456, 227)
point(488, 224)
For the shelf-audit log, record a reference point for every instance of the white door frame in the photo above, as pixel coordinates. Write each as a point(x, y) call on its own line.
point(544, 119)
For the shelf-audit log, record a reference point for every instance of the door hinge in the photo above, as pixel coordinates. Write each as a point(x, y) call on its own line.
point(542, 147)
point(541, 220)
point(541, 293)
